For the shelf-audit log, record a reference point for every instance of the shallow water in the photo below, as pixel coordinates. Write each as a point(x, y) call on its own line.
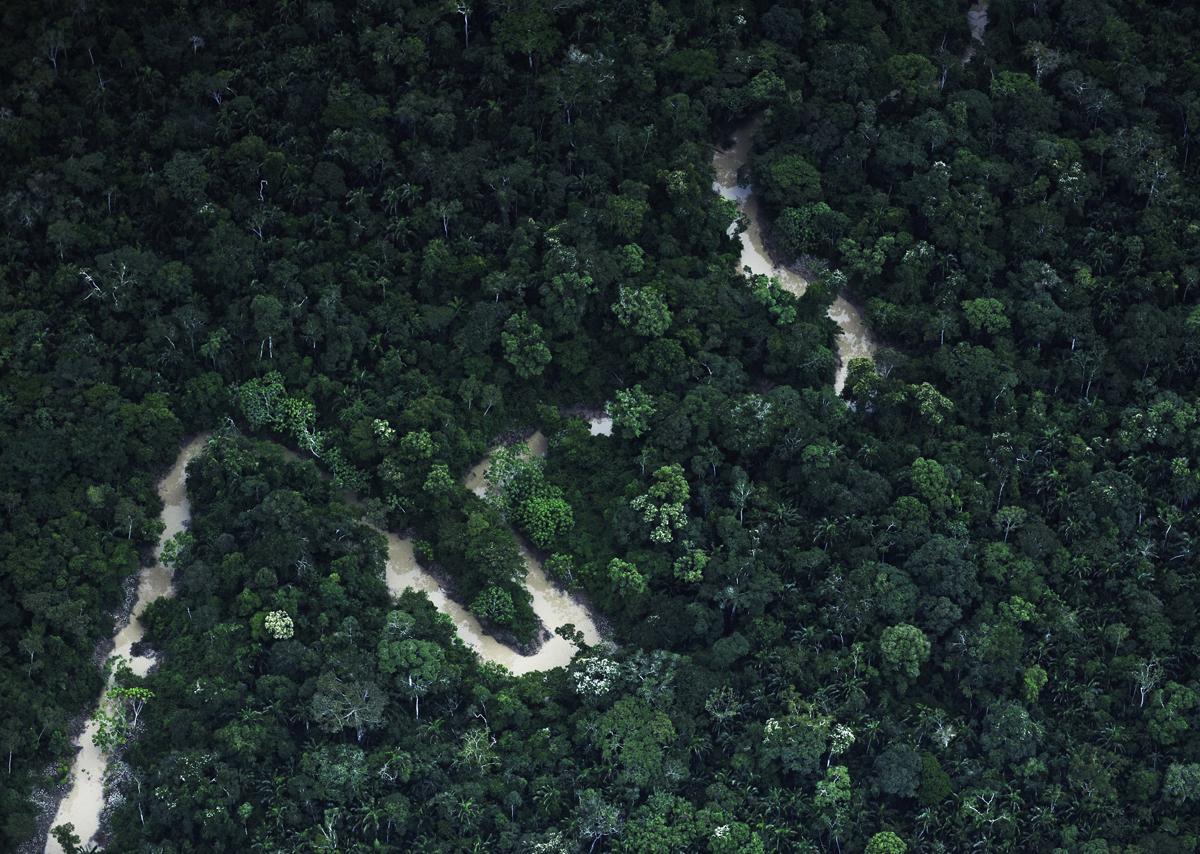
point(977, 21)
point(81, 807)
point(856, 341)
point(554, 607)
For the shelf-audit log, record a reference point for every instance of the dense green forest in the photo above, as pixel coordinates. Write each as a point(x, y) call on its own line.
point(952, 609)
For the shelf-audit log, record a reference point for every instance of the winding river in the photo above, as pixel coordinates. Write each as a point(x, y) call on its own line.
point(81, 807)
point(553, 606)
point(855, 341)
point(83, 803)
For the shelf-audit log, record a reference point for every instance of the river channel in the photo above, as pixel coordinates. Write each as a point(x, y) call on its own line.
point(83, 804)
point(553, 606)
point(81, 807)
point(855, 341)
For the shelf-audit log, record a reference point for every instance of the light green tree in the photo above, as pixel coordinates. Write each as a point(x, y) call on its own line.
point(517, 487)
point(664, 505)
point(833, 797)
point(495, 605)
point(904, 648)
point(439, 481)
point(279, 625)
point(933, 405)
point(929, 480)
point(631, 411)
point(690, 567)
point(117, 716)
point(886, 843)
point(643, 310)
point(525, 346)
point(625, 575)
point(987, 314)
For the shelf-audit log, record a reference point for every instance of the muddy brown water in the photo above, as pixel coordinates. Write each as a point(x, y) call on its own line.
point(553, 606)
point(856, 340)
point(82, 805)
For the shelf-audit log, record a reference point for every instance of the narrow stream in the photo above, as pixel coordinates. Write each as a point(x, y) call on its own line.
point(81, 807)
point(85, 801)
point(977, 21)
point(553, 606)
point(855, 341)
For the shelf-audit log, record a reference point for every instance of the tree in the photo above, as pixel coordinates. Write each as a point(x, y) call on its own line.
point(625, 214)
point(898, 771)
point(269, 321)
point(886, 843)
point(625, 576)
point(1182, 783)
point(596, 818)
point(67, 838)
point(525, 346)
point(279, 625)
point(792, 181)
point(904, 648)
point(545, 515)
point(912, 74)
point(690, 567)
point(186, 177)
point(643, 310)
point(833, 797)
point(528, 31)
point(935, 783)
point(987, 314)
point(664, 505)
point(1009, 734)
point(631, 411)
point(1172, 712)
point(117, 716)
point(929, 479)
point(517, 487)
point(495, 605)
point(417, 667)
point(260, 399)
point(1010, 518)
point(736, 837)
point(810, 228)
point(339, 703)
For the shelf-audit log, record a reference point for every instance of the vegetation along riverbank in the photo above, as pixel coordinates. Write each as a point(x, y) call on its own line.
point(859, 339)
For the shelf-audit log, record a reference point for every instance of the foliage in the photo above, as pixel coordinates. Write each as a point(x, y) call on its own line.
point(279, 625)
point(389, 233)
